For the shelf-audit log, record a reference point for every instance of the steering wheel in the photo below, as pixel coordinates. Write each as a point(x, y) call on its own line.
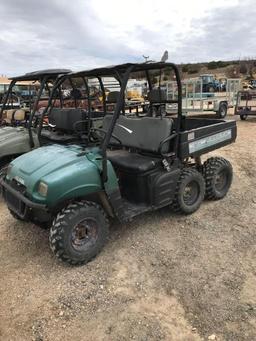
point(92, 130)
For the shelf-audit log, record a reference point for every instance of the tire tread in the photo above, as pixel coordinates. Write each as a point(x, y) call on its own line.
point(186, 172)
point(209, 168)
point(57, 229)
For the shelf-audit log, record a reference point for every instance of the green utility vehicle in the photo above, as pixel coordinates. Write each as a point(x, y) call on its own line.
point(17, 134)
point(129, 166)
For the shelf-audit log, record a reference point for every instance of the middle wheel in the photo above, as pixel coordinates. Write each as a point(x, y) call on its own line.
point(190, 191)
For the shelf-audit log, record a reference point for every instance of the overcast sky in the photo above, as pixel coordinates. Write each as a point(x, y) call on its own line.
point(80, 34)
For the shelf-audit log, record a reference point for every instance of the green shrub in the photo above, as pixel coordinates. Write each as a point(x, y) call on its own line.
point(185, 68)
point(193, 70)
point(215, 65)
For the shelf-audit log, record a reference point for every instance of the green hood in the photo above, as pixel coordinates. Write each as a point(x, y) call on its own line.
point(68, 171)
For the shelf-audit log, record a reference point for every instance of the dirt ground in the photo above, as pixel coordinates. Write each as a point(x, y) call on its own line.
point(161, 277)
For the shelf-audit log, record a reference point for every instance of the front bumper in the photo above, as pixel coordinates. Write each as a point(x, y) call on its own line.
point(17, 202)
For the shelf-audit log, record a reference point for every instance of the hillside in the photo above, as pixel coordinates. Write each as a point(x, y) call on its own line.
point(245, 69)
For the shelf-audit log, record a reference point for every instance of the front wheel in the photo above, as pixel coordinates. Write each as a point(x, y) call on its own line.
point(218, 174)
point(79, 232)
point(190, 191)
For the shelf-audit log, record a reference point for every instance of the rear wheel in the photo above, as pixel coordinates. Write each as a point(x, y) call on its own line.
point(190, 191)
point(223, 109)
point(243, 117)
point(79, 232)
point(218, 174)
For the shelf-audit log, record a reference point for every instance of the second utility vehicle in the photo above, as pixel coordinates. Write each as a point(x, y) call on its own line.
point(130, 166)
point(18, 136)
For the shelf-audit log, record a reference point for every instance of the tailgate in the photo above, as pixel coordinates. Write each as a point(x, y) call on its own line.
point(202, 140)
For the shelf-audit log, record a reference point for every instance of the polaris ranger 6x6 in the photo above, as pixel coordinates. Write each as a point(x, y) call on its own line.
point(129, 166)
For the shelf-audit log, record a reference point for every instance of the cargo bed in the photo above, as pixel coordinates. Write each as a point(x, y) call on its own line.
point(200, 136)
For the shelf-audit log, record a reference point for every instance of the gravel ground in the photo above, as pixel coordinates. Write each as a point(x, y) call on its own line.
point(161, 277)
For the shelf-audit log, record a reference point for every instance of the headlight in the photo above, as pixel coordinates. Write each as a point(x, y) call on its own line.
point(42, 189)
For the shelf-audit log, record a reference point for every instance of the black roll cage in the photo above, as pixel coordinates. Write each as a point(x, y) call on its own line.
point(57, 86)
point(121, 73)
point(44, 78)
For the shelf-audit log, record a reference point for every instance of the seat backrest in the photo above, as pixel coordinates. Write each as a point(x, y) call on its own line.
point(64, 118)
point(157, 96)
point(144, 133)
point(113, 96)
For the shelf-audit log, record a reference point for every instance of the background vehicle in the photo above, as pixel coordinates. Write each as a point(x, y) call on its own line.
point(245, 104)
point(195, 100)
point(253, 83)
point(211, 84)
point(129, 166)
point(17, 135)
point(23, 90)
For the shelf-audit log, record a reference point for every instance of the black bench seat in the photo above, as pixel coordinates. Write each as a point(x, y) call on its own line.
point(140, 140)
point(132, 162)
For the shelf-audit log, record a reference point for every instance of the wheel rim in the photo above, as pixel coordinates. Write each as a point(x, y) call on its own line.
point(222, 111)
point(84, 234)
point(221, 180)
point(191, 193)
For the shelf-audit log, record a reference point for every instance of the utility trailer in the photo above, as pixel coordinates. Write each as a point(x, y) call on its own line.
point(130, 166)
point(195, 100)
point(245, 104)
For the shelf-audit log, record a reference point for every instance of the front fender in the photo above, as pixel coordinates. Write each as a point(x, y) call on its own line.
point(77, 184)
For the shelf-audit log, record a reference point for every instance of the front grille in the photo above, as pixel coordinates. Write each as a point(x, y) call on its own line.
point(13, 202)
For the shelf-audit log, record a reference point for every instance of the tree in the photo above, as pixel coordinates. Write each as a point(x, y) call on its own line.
point(243, 68)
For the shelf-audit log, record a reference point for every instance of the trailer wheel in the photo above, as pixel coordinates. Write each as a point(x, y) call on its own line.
point(218, 174)
point(243, 117)
point(190, 191)
point(223, 109)
point(79, 232)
